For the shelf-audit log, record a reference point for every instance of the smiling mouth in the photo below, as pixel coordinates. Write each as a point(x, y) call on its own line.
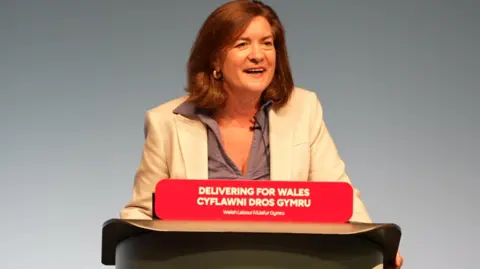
point(254, 71)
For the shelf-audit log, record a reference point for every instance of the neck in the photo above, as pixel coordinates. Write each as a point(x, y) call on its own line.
point(240, 108)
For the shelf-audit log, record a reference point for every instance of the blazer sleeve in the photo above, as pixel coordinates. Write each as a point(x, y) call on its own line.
point(152, 168)
point(326, 164)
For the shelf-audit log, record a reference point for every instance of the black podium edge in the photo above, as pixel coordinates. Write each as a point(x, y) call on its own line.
point(114, 231)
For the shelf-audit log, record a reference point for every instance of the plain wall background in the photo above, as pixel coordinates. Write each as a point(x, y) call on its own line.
point(399, 82)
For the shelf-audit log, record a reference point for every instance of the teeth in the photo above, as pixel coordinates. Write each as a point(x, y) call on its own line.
point(255, 70)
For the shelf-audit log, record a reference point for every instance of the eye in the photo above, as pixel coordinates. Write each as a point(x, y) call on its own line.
point(269, 43)
point(241, 44)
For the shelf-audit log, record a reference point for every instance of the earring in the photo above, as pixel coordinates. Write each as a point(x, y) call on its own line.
point(217, 74)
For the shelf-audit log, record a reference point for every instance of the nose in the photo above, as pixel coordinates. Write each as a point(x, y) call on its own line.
point(256, 54)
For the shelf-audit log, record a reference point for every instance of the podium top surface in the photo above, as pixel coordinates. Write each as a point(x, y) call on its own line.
point(385, 235)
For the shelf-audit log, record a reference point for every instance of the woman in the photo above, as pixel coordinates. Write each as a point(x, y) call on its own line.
point(243, 118)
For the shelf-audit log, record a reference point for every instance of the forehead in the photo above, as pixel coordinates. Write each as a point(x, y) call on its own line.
point(259, 27)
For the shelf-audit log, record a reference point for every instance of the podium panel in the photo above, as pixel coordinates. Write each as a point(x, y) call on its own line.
point(156, 250)
point(159, 244)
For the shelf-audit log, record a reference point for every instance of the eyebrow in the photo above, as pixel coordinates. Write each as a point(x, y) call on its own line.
point(263, 38)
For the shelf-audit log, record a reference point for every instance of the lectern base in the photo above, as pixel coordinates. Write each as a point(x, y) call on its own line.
point(246, 251)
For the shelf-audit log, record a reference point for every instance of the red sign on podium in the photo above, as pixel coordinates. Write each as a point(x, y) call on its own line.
point(252, 200)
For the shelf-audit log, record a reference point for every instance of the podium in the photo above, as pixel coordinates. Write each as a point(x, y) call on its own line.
point(162, 244)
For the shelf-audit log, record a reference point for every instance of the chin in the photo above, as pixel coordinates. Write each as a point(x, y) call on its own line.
point(258, 89)
point(259, 86)
point(255, 89)
point(256, 83)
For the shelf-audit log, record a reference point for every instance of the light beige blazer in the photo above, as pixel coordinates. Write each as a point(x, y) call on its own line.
point(176, 147)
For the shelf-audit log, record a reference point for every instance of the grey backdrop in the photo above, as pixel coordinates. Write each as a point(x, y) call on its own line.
point(399, 82)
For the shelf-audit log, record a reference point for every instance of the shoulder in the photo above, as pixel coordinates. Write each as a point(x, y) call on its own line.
point(302, 113)
point(301, 95)
point(299, 92)
point(166, 108)
point(303, 110)
point(161, 116)
point(164, 112)
point(304, 102)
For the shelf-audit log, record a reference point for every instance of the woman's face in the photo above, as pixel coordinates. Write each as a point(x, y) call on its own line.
point(250, 64)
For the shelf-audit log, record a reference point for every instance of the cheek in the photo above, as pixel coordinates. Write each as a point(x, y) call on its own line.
point(233, 65)
point(272, 63)
point(272, 58)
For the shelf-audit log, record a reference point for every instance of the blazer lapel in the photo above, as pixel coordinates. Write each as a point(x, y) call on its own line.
point(192, 136)
point(281, 140)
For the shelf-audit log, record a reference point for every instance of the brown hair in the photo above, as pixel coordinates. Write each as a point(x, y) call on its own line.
point(218, 32)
